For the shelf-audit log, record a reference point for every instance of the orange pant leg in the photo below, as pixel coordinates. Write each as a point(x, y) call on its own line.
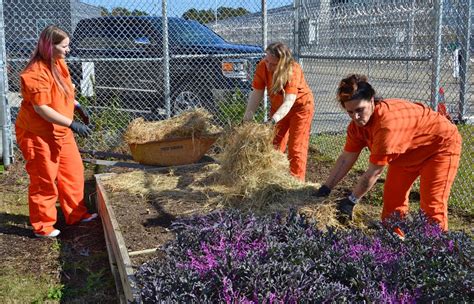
point(437, 177)
point(298, 139)
point(41, 156)
point(70, 181)
point(281, 136)
point(397, 189)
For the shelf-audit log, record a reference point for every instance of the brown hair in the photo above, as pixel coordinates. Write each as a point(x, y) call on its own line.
point(49, 37)
point(354, 87)
point(284, 68)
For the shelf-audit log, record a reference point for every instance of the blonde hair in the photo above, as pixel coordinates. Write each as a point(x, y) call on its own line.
point(284, 68)
point(49, 37)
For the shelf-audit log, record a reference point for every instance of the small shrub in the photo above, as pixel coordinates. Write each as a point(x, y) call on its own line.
point(232, 108)
point(241, 258)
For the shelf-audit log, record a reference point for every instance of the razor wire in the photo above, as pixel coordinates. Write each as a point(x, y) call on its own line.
point(121, 68)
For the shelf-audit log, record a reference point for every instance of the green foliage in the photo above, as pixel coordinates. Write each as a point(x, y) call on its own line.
point(462, 192)
point(209, 15)
point(95, 279)
point(232, 108)
point(108, 123)
point(121, 11)
point(56, 246)
point(55, 292)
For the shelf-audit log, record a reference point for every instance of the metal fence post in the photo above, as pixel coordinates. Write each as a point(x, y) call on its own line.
point(296, 29)
point(6, 147)
point(166, 59)
point(436, 60)
point(264, 46)
point(465, 54)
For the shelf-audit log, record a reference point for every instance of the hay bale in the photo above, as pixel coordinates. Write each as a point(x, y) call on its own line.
point(193, 123)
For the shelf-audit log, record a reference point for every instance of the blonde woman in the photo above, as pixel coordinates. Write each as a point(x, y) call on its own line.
point(292, 104)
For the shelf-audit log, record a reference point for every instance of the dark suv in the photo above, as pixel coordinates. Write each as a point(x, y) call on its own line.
point(126, 53)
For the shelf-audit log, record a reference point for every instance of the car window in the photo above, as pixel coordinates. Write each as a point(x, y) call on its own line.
point(116, 33)
point(185, 32)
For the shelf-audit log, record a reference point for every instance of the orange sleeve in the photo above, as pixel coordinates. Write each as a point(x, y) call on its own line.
point(295, 81)
point(354, 142)
point(37, 85)
point(259, 80)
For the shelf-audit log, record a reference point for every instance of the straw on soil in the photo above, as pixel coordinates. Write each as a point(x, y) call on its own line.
point(253, 169)
point(193, 123)
point(251, 175)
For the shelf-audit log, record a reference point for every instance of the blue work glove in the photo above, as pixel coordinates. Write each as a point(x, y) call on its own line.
point(81, 129)
point(323, 191)
point(345, 207)
point(82, 113)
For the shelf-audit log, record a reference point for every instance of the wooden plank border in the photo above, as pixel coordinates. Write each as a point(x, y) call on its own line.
point(119, 259)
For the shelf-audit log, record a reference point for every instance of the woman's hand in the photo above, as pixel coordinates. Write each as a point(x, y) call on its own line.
point(255, 97)
point(344, 163)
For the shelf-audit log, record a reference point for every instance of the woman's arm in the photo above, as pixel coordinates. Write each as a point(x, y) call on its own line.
point(344, 163)
point(255, 98)
point(285, 107)
point(367, 180)
point(49, 114)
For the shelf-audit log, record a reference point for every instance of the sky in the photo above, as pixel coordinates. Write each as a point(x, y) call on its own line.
point(178, 7)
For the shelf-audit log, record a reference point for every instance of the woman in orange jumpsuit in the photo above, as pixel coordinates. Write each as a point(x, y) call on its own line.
point(413, 140)
point(292, 104)
point(44, 135)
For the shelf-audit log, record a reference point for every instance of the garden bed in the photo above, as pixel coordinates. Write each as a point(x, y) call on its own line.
point(138, 207)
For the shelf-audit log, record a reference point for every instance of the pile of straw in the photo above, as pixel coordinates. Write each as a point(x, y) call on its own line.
point(253, 169)
point(193, 123)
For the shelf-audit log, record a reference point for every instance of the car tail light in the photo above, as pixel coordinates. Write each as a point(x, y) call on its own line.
point(235, 68)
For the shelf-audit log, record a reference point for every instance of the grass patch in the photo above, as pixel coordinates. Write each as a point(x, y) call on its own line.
point(463, 188)
point(20, 287)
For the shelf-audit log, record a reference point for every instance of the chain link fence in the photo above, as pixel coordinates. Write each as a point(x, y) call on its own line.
point(128, 61)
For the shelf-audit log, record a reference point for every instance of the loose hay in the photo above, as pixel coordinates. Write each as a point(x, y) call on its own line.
point(193, 123)
point(251, 175)
point(253, 169)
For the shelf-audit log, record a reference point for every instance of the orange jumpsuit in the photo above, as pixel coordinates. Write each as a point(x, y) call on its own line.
point(294, 128)
point(414, 141)
point(52, 158)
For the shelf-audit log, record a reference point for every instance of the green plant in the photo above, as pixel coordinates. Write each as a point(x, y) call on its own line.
point(232, 108)
point(108, 124)
point(56, 246)
point(55, 292)
point(95, 279)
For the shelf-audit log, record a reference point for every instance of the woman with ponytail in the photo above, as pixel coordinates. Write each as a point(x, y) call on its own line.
point(292, 104)
point(410, 138)
point(44, 135)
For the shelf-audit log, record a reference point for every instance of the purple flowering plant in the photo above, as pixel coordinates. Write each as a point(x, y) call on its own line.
point(235, 257)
